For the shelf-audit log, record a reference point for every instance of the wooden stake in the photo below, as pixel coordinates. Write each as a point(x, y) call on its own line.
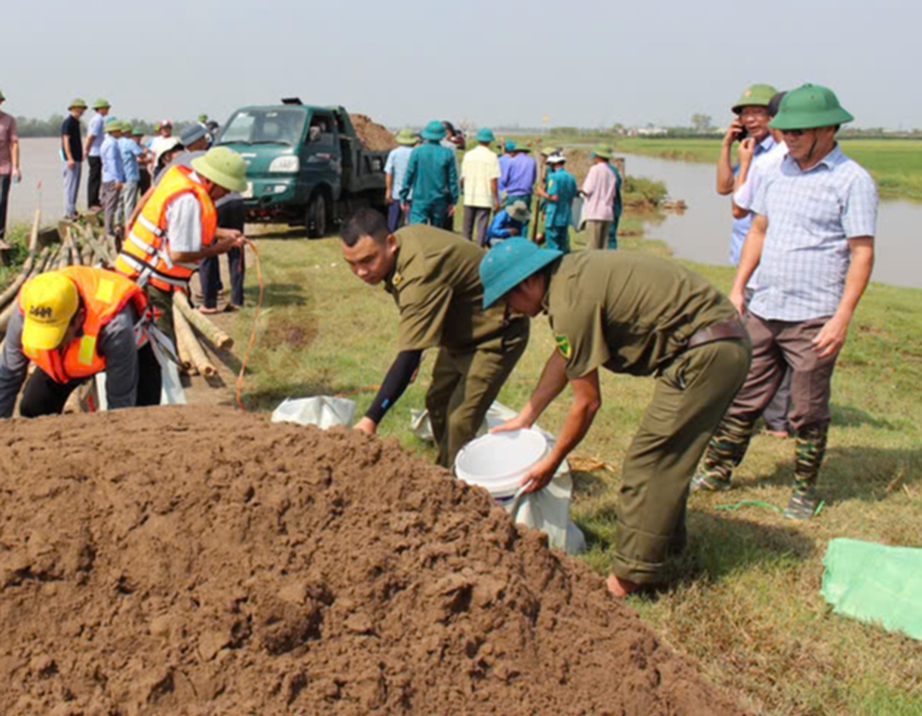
point(212, 333)
point(185, 336)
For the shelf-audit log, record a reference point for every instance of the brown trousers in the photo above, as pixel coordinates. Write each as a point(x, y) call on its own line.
point(775, 346)
point(597, 234)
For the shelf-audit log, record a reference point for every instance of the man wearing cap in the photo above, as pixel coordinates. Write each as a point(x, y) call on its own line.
point(558, 208)
point(113, 176)
point(395, 172)
point(74, 323)
point(72, 152)
point(599, 188)
point(812, 240)
point(509, 222)
point(751, 122)
point(92, 150)
point(177, 226)
point(519, 176)
point(432, 177)
point(9, 161)
point(130, 147)
point(432, 276)
point(479, 177)
point(642, 315)
point(617, 208)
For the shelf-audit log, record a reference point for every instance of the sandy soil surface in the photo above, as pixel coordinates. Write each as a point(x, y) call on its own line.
point(204, 561)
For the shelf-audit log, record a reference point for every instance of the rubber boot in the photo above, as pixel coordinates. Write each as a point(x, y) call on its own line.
point(809, 450)
point(724, 454)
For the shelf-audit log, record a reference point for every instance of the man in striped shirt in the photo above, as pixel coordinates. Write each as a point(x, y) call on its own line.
point(812, 240)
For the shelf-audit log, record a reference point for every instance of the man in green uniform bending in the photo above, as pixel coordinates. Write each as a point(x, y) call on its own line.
point(433, 277)
point(637, 314)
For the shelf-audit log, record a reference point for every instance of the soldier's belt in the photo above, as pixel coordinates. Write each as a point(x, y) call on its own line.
point(728, 330)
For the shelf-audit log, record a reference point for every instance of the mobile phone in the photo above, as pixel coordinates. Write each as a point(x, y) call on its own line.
point(742, 134)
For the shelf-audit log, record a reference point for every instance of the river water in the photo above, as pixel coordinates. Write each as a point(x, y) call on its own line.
point(700, 234)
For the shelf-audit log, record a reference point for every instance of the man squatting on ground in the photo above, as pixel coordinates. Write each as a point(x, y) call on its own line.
point(812, 241)
point(433, 278)
point(636, 314)
point(74, 323)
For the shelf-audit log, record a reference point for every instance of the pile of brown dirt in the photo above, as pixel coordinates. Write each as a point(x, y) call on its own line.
point(373, 136)
point(202, 561)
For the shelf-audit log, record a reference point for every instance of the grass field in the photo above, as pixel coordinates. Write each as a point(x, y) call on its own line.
point(895, 164)
point(745, 600)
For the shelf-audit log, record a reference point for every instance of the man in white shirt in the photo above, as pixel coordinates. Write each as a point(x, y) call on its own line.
point(479, 177)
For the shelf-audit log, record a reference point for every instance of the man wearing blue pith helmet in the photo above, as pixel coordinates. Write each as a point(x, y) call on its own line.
point(638, 314)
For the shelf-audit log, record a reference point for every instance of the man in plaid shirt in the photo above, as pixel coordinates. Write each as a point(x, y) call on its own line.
point(812, 241)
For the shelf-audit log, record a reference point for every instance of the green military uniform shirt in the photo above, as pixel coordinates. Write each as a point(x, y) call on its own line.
point(629, 312)
point(436, 285)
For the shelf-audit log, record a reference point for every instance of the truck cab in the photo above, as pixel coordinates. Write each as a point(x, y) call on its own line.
point(305, 164)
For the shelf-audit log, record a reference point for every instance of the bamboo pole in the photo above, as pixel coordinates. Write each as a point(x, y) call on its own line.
point(184, 335)
point(212, 333)
point(13, 289)
point(185, 361)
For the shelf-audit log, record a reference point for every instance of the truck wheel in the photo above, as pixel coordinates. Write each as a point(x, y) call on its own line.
point(317, 217)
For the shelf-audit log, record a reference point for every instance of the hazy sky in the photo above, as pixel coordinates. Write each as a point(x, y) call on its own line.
point(580, 62)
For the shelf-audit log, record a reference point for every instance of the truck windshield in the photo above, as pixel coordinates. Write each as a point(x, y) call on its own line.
point(265, 126)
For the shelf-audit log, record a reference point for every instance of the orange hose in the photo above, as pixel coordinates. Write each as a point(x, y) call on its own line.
point(259, 303)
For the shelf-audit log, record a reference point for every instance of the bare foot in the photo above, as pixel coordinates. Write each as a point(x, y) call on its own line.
point(206, 310)
point(620, 588)
point(782, 434)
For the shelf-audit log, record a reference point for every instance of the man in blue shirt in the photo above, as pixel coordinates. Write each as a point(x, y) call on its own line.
point(518, 176)
point(395, 171)
point(617, 208)
point(130, 151)
point(559, 195)
point(94, 139)
point(812, 240)
point(509, 222)
point(113, 175)
point(432, 177)
point(752, 120)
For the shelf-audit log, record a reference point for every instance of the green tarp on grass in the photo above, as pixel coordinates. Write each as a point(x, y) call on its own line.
point(875, 583)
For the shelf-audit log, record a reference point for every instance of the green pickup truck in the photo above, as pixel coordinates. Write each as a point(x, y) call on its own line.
point(305, 165)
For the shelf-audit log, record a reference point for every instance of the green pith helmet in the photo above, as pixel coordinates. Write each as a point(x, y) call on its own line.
point(77, 104)
point(755, 96)
point(406, 136)
point(810, 106)
point(509, 263)
point(601, 150)
point(101, 103)
point(2, 97)
point(113, 125)
point(224, 167)
point(434, 131)
point(137, 132)
point(203, 118)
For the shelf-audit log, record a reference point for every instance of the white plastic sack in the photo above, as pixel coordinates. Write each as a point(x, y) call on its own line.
point(171, 390)
point(547, 510)
point(321, 410)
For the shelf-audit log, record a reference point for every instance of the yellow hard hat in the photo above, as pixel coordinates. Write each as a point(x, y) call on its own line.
point(49, 302)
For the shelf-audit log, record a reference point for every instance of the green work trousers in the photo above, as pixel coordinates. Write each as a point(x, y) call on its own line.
point(162, 301)
point(691, 396)
point(464, 385)
point(597, 234)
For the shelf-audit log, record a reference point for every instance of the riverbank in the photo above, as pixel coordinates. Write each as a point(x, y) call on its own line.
point(896, 164)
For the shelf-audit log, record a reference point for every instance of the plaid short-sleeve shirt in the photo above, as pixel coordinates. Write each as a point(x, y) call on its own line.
point(811, 215)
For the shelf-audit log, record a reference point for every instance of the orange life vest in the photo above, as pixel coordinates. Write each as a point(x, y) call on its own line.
point(145, 256)
point(103, 294)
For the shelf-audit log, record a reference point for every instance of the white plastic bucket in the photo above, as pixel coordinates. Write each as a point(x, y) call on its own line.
point(498, 461)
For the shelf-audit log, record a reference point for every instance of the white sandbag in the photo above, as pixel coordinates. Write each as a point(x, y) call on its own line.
point(321, 410)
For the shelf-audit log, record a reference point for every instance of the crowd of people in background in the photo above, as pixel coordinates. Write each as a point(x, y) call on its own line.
point(498, 190)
